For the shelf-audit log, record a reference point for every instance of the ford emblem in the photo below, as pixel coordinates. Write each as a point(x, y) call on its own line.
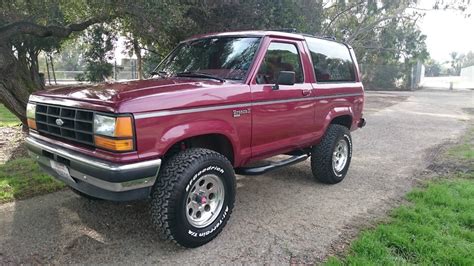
point(59, 122)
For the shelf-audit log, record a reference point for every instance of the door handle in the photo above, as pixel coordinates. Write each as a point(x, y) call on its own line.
point(306, 92)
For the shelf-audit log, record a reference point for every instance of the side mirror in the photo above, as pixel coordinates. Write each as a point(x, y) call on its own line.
point(285, 78)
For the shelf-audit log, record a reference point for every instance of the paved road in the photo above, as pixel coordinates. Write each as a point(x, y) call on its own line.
point(280, 216)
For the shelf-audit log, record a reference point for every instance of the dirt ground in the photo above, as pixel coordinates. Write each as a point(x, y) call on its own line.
point(280, 217)
point(11, 143)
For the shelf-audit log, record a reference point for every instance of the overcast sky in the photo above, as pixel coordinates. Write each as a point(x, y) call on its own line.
point(447, 31)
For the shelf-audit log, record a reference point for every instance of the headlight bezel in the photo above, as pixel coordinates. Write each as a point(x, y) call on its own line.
point(114, 133)
point(31, 115)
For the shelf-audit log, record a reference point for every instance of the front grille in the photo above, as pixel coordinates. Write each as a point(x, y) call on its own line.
point(77, 124)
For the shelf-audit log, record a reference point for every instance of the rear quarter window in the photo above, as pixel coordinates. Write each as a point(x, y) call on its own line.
point(332, 61)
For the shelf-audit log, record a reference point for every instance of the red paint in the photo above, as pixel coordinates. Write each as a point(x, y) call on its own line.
point(266, 131)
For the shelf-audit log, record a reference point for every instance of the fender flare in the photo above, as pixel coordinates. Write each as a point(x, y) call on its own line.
point(191, 129)
point(337, 112)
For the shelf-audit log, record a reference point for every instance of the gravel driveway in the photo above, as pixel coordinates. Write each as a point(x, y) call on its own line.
point(279, 217)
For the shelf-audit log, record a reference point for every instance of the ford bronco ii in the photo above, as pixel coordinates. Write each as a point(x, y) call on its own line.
point(217, 104)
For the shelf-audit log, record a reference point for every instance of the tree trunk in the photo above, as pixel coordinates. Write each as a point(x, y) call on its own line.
point(16, 83)
point(138, 53)
point(52, 69)
point(47, 69)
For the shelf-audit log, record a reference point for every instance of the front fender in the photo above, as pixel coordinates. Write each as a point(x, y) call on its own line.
point(337, 112)
point(187, 130)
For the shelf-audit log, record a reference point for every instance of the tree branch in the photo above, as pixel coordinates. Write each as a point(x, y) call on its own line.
point(339, 14)
point(24, 27)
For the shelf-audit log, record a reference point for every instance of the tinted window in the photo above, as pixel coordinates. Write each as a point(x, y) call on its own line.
point(280, 57)
point(224, 57)
point(332, 61)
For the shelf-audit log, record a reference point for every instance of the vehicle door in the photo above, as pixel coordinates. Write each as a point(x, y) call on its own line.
point(283, 115)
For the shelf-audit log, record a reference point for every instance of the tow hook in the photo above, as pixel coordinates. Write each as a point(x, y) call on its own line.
point(361, 123)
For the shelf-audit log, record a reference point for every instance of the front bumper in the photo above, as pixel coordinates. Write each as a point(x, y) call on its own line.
point(95, 177)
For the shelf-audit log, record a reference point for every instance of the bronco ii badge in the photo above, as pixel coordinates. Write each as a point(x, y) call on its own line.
point(238, 113)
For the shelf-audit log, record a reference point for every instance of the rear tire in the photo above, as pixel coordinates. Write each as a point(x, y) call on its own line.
point(193, 197)
point(330, 159)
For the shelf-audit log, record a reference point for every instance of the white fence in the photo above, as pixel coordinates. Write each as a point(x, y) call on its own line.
point(69, 77)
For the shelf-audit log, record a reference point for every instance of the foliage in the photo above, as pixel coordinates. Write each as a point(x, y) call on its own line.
point(23, 178)
point(28, 28)
point(458, 61)
point(432, 68)
point(467, 60)
point(70, 56)
point(100, 41)
point(382, 32)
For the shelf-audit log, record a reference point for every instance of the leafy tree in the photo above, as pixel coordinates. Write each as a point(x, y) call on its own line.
point(432, 68)
point(467, 60)
point(100, 40)
point(26, 29)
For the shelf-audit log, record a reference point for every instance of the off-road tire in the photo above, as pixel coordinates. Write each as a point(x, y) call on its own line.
point(169, 195)
point(322, 155)
point(83, 195)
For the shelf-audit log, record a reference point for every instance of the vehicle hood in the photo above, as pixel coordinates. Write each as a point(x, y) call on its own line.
point(122, 91)
point(144, 95)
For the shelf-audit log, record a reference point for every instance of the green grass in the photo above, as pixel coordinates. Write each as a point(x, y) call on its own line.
point(7, 119)
point(437, 227)
point(23, 178)
point(465, 150)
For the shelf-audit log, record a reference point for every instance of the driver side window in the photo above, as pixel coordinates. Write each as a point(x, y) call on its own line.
point(280, 57)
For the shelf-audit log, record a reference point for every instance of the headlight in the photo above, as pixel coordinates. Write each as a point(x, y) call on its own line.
point(31, 115)
point(30, 110)
point(104, 125)
point(113, 133)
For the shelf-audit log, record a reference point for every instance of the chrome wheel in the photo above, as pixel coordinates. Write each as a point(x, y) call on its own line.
point(204, 200)
point(340, 155)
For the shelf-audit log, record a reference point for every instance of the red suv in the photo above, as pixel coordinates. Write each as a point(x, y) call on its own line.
point(217, 104)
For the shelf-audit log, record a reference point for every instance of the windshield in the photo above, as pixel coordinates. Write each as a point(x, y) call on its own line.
point(220, 57)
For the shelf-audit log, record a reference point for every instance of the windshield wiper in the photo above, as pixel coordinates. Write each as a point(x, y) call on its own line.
point(160, 73)
point(199, 75)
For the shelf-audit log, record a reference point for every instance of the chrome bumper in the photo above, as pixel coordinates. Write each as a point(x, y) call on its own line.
point(107, 176)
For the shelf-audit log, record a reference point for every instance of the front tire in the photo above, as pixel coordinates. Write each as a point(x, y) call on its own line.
point(193, 197)
point(330, 159)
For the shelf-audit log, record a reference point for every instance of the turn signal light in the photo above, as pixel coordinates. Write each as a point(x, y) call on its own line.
point(31, 123)
point(123, 127)
point(114, 144)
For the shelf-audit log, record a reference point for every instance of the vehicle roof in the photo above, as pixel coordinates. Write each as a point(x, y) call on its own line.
point(259, 33)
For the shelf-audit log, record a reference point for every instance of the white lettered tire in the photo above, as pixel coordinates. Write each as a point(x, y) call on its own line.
point(193, 197)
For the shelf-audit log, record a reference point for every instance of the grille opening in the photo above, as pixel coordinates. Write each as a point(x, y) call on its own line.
point(41, 108)
point(77, 124)
point(83, 126)
point(83, 115)
point(54, 130)
point(67, 123)
point(84, 137)
point(40, 118)
point(51, 120)
point(41, 126)
point(63, 160)
point(48, 154)
point(68, 133)
point(53, 110)
point(68, 113)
